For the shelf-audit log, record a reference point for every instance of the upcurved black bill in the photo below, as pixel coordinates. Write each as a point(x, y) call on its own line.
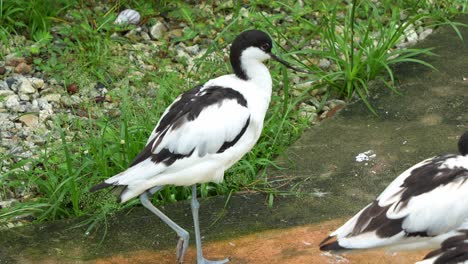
point(273, 56)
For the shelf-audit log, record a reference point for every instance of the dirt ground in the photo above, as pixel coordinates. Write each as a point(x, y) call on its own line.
point(292, 246)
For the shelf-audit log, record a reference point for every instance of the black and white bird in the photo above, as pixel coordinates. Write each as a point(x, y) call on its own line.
point(203, 133)
point(421, 208)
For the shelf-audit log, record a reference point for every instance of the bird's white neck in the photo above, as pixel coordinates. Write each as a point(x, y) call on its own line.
point(257, 73)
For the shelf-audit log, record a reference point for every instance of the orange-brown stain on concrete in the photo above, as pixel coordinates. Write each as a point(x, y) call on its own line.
point(297, 245)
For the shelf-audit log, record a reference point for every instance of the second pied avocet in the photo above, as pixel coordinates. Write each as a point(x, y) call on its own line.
point(421, 208)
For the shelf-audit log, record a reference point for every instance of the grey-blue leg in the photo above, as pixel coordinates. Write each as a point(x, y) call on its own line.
point(182, 245)
point(195, 205)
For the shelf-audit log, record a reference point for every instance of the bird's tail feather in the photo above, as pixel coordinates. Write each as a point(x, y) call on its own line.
point(334, 246)
point(100, 186)
point(118, 190)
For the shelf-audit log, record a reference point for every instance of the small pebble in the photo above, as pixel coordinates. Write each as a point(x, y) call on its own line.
point(72, 88)
point(23, 68)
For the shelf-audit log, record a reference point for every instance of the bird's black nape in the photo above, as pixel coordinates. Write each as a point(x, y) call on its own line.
point(463, 144)
point(246, 39)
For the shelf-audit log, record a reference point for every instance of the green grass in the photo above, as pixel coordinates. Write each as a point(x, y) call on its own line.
point(79, 48)
point(361, 41)
point(363, 49)
point(27, 17)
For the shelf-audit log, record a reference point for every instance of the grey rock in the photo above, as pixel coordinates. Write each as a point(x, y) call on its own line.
point(52, 97)
point(99, 86)
point(405, 45)
point(6, 125)
point(72, 100)
point(134, 34)
point(244, 12)
point(3, 85)
point(313, 119)
point(12, 145)
point(36, 139)
point(324, 64)
point(193, 50)
point(12, 101)
point(315, 42)
point(43, 104)
point(45, 115)
point(7, 203)
point(53, 81)
point(26, 87)
point(21, 108)
point(51, 89)
point(403, 15)
point(4, 133)
point(296, 92)
point(25, 154)
point(24, 133)
point(5, 93)
point(315, 102)
point(425, 33)
point(318, 91)
point(4, 116)
point(181, 54)
point(145, 36)
point(10, 82)
point(24, 97)
point(324, 114)
point(304, 85)
point(411, 35)
point(37, 83)
point(335, 102)
point(180, 47)
point(11, 56)
point(32, 107)
point(308, 108)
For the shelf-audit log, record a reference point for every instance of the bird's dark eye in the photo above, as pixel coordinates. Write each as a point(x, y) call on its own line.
point(265, 46)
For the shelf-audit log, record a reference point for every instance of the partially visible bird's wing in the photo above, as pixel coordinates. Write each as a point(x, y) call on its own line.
point(452, 250)
point(202, 121)
point(424, 201)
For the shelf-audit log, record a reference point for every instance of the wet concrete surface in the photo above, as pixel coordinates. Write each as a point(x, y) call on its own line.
point(325, 182)
point(294, 245)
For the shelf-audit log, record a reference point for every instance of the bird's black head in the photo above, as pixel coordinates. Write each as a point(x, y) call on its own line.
point(248, 39)
point(463, 144)
point(251, 38)
point(252, 44)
